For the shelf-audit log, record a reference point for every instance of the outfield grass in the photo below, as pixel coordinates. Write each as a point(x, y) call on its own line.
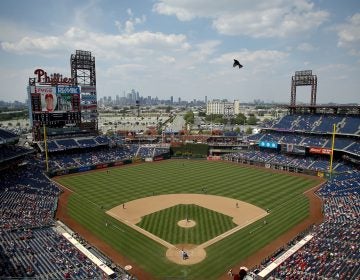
point(97, 192)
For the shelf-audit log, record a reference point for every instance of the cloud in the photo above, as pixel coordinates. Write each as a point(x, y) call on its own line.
point(29, 45)
point(280, 18)
point(349, 34)
point(167, 59)
point(305, 47)
point(246, 56)
point(129, 25)
point(204, 50)
point(108, 46)
point(118, 25)
point(129, 12)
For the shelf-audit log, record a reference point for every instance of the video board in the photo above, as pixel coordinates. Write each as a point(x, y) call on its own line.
point(55, 98)
point(55, 105)
point(57, 101)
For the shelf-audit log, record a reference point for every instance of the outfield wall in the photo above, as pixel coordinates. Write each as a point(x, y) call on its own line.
point(53, 173)
point(88, 168)
point(276, 166)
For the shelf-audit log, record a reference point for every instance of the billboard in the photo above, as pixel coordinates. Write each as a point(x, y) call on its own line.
point(55, 98)
point(67, 90)
point(48, 98)
point(322, 151)
point(86, 88)
point(88, 97)
point(293, 149)
point(266, 144)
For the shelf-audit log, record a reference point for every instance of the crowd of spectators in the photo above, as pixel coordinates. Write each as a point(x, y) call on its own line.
point(6, 135)
point(317, 123)
point(105, 155)
point(74, 143)
point(44, 253)
point(8, 152)
point(309, 163)
point(30, 245)
point(312, 131)
point(27, 197)
point(334, 251)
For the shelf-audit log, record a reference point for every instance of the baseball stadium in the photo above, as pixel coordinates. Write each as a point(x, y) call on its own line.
point(279, 204)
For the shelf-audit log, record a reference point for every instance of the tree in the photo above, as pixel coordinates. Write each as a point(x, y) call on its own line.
point(239, 119)
point(215, 118)
point(252, 120)
point(189, 117)
point(249, 130)
point(168, 109)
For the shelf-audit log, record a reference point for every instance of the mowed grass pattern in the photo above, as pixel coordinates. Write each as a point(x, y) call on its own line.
point(209, 224)
point(96, 192)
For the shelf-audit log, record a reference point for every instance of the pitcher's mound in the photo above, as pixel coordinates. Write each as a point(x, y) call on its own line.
point(186, 223)
point(195, 254)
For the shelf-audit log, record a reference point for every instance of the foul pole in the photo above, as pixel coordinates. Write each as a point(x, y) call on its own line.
point(46, 151)
point(332, 149)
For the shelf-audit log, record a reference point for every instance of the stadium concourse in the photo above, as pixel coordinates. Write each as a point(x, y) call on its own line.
point(302, 143)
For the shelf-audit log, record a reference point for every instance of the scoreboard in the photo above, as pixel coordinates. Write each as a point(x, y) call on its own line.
point(60, 104)
point(55, 105)
point(56, 118)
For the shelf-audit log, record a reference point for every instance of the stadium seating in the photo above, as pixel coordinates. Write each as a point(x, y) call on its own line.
point(66, 144)
point(106, 155)
point(30, 247)
point(6, 135)
point(8, 152)
point(291, 139)
point(44, 253)
point(86, 143)
point(326, 123)
point(333, 253)
point(350, 126)
point(306, 122)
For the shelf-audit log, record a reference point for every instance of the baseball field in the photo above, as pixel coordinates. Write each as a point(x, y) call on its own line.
point(219, 212)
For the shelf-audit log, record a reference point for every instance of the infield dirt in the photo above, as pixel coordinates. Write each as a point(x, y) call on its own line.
point(243, 214)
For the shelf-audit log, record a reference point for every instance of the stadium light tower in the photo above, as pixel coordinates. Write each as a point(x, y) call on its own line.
point(84, 75)
point(228, 114)
point(303, 78)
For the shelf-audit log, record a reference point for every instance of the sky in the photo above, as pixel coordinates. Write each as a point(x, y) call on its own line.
point(185, 48)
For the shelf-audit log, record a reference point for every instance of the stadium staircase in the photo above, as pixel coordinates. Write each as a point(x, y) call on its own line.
point(295, 122)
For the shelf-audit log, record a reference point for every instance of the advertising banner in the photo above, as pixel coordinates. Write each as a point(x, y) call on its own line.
point(293, 149)
point(322, 151)
point(67, 90)
point(48, 98)
point(88, 97)
point(88, 88)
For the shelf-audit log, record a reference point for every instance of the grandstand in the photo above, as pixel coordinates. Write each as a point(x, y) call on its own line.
point(31, 243)
point(304, 145)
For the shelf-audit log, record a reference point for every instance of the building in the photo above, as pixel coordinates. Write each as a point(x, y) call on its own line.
point(222, 107)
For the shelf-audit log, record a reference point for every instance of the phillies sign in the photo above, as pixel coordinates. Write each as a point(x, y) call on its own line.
point(54, 79)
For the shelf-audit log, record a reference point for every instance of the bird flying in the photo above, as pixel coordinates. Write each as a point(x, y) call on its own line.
point(237, 63)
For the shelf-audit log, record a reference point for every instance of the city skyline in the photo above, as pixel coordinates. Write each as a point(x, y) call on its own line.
point(185, 49)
